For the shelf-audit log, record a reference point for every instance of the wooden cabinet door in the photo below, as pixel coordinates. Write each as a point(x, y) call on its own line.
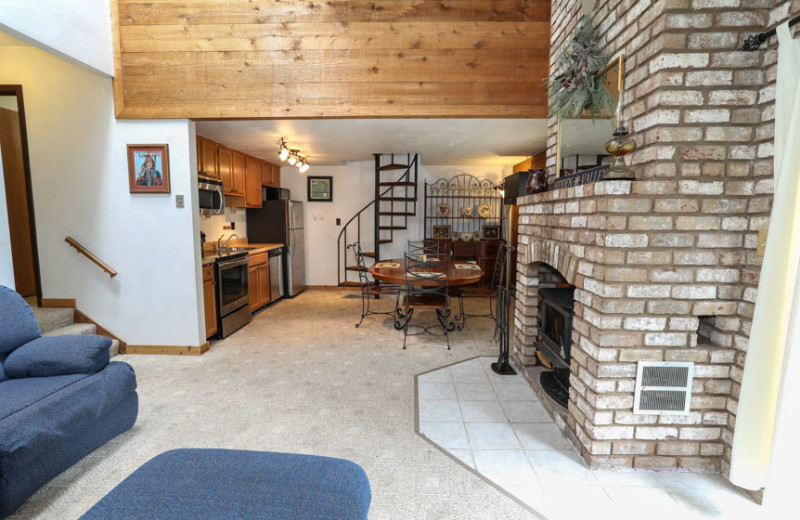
point(225, 168)
point(207, 158)
point(252, 176)
point(210, 301)
point(238, 173)
point(266, 173)
point(276, 176)
point(255, 287)
point(264, 279)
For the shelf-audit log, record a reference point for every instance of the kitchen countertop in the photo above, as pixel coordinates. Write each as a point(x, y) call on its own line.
point(209, 257)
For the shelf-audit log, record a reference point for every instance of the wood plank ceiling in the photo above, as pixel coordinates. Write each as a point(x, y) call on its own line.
point(209, 59)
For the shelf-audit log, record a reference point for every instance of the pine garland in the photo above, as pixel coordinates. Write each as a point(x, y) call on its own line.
point(576, 89)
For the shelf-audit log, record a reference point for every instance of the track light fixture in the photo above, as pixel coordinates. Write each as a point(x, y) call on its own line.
point(293, 156)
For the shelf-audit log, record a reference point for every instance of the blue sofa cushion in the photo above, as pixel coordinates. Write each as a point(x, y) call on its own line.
point(38, 414)
point(58, 356)
point(217, 484)
point(17, 323)
point(3, 375)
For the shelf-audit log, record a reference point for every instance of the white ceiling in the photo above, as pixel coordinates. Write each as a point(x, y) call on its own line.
point(335, 141)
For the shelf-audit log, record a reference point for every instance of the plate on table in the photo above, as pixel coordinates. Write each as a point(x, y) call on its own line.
point(426, 274)
point(388, 265)
point(443, 209)
point(484, 210)
point(468, 266)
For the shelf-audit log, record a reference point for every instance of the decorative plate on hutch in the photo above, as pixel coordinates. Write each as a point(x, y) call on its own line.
point(466, 211)
point(485, 210)
point(442, 209)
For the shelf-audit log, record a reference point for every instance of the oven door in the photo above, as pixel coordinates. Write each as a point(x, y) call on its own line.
point(232, 285)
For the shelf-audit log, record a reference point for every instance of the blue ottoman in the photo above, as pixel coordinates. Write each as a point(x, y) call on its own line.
point(226, 484)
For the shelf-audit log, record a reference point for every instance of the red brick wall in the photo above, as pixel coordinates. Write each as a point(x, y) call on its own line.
point(665, 267)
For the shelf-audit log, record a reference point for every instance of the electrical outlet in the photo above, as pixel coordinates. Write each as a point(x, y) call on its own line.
point(233, 225)
point(338, 221)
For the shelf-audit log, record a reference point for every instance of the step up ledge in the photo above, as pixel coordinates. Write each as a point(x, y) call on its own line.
point(74, 328)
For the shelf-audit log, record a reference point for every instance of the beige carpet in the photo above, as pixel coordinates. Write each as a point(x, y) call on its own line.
point(300, 378)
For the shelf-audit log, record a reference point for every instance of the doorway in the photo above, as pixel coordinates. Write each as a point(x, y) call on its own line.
point(18, 194)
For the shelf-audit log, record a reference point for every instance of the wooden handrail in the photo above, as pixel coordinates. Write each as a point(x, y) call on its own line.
point(85, 252)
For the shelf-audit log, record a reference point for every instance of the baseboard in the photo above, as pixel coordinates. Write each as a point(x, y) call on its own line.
point(169, 350)
point(329, 288)
point(59, 302)
point(80, 317)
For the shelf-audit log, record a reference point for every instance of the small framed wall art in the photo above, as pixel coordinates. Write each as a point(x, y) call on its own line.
point(148, 168)
point(320, 189)
point(441, 232)
point(491, 232)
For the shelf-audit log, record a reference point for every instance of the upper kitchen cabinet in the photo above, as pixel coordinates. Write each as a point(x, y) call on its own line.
point(253, 176)
point(225, 168)
point(207, 164)
point(270, 174)
point(238, 181)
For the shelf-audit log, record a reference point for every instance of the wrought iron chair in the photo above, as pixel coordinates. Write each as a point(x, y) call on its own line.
point(427, 288)
point(423, 247)
point(370, 289)
point(488, 290)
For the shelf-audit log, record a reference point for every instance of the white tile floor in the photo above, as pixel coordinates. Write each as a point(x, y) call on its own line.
point(496, 426)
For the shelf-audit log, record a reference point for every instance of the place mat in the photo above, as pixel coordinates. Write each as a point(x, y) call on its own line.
point(467, 266)
point(388, 265)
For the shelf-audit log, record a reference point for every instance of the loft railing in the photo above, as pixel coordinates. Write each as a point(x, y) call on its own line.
point(91, 256)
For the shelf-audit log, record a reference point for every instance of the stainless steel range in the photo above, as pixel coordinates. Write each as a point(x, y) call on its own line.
point(233, 295)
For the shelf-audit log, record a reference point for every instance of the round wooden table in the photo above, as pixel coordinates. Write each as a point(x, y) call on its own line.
point(394, 271)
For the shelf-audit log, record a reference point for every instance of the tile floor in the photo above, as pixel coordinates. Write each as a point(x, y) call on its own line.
point(496, 426)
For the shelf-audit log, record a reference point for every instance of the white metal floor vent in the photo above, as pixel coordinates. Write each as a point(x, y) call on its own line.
point(663, 387)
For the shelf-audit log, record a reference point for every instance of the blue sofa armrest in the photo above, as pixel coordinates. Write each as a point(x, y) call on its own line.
point(58, 356)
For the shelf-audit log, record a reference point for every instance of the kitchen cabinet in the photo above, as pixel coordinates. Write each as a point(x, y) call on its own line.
point(238, 173)
point(210, 300)
point(225, 169)
point(276, 176)
point(252, 179)
point(258, 269)
point(207, 158)
point(270, 174)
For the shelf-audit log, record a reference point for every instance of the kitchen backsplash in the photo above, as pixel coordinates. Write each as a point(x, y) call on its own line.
point(213, 226)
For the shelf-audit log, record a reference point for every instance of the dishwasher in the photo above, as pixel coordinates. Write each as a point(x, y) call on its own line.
point(276, 274)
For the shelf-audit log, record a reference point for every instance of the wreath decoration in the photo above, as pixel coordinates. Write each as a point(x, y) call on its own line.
point(576, 89)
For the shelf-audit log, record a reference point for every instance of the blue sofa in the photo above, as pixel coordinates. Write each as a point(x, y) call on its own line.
point(60, 399)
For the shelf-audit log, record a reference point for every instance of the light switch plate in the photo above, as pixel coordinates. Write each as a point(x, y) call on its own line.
point(178, 201)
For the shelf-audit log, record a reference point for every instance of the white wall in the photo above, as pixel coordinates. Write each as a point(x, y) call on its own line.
point(80, 188)
point(353, 188)
point(6, 262)
point(76, 30)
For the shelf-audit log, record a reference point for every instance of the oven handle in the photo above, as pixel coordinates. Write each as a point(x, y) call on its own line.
point(224, 264)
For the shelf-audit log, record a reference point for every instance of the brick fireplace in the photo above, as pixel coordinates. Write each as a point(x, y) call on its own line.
point(664, 267)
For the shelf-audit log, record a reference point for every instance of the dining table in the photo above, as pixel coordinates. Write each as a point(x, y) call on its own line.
point(394, 271)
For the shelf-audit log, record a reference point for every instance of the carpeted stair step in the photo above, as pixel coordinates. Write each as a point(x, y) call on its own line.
point(75, 328)
point(52, 318)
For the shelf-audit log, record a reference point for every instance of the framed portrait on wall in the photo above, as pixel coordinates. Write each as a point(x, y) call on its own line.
point(148, 168)
point(320, 189)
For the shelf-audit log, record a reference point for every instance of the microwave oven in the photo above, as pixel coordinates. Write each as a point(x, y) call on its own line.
point(211, 199)
point(268, 193)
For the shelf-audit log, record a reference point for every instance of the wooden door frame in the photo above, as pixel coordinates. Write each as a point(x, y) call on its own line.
point(16, 90)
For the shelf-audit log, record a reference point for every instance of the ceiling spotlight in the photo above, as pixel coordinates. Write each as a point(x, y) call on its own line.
point(283, 154)
point(293, 156)
point(305, 167)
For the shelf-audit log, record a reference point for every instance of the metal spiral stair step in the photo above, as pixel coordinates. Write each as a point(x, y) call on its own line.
point(397, 213)
point(393, 166)
point(356, 268)
point(392, 227)
point(401, 199)
point(397, 184)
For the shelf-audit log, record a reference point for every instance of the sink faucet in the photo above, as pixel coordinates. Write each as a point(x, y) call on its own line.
point(228, 243)
point(219, 241)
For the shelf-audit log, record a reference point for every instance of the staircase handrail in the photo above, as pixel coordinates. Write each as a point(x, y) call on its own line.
point(91, 256)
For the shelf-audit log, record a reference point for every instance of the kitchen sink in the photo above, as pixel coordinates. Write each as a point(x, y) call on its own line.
point(232, 250)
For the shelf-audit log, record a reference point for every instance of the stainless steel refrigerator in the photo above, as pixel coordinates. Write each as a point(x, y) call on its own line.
point(281, 222)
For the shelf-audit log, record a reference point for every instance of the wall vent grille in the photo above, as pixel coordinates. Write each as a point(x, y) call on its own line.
point(663, 388)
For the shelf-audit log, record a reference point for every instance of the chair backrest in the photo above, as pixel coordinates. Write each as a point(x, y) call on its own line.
point(423, 247)
point(360, 263)
point(430, 268)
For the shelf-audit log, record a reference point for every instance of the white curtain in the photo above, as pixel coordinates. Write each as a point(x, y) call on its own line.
point(766, 406)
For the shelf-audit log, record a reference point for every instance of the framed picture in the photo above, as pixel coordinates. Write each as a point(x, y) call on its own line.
point(491, 232)
point(148, 168)
point(441, 232)
point(320, 189)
